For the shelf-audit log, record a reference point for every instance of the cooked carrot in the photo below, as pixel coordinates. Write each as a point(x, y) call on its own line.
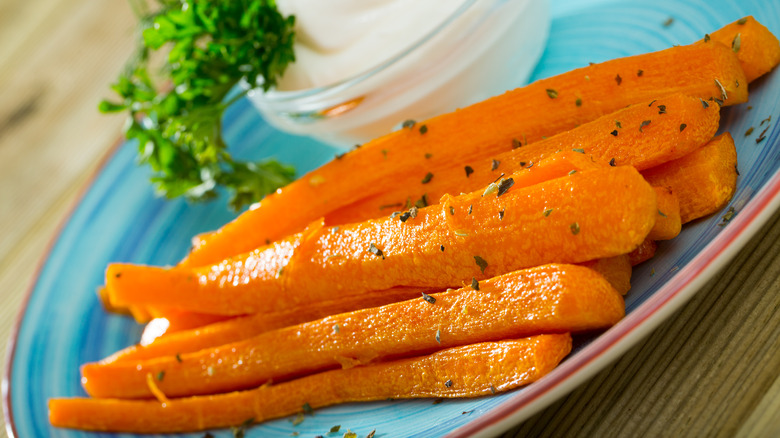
point(468, 371)
point(703, 181)
point(240, 328)
point(643, 135)
point(643, 252)
point(757, 49)
point(668, 223)
point(616, 270)
point(567, 220)
point(482, 130)
point(546, 299)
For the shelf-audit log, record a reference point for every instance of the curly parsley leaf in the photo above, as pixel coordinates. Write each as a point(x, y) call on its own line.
point(211, 47)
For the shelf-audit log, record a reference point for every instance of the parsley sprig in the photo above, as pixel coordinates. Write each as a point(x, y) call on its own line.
point(212, 46)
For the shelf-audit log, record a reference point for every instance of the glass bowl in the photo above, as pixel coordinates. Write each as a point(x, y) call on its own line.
point(484, 48)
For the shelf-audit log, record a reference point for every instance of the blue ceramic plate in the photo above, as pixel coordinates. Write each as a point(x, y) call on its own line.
point(120, 219)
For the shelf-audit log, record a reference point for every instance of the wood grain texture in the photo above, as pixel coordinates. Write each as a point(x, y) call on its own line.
point(711, 370)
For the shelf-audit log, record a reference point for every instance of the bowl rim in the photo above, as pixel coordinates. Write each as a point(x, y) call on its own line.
point(274, 96)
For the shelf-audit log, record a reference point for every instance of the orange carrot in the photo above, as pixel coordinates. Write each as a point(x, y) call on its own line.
point(643, 252)
point(244, 327)
point(703, 181)
point(641, 135)
point(616, 270)
point(545, 299)
point(482, 130)
point(468, 371)
point(567, 220)
point(757, 49)
point(668, 223)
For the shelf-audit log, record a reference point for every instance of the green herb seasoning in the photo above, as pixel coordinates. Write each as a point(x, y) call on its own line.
point(736, 43)
point(661, 213)
point(340, 156)
point(668, 22)
point(727, 217)
point(749, 131)
point(422, 202)
point(469, 171)
point(307, 409)
point(501, 215)
point(552, 94)
point(428, 298)
point(441, 247)
point(423, 129)
point(615, 133)
point(452, 211)
point(643, 124)
point(516, 143)
point(448, 383)
point(492, 389)
point(578, 102)
point(298, 419)
point(618, 79)
point(706, 37)
point(474, 283)
point(736, 169)
point(575, 228)
point(612, 162)
point(118, 275)
point(336, 329)
point(682, 127)
point(371, 434)
point(428, 177)
point(495, 165)
point(178, 358)
point(504, 186)
point(481, 263)
point(547, 212)
point(471, 208)
point(405, 216)
point(579, 150)
point(438, 336)
point(766, 120)
point(490, 189)
point(723, 94)
point(428, 156)
point(661, 109)
point(350, 434)
point(413, 212)
point(337, 427)
point(572, 172)
point(376, 251)
point(408, 124)
point(742, 21)
point(160, 376)
point(384, 153)
point(640, 72)
point(460, 233)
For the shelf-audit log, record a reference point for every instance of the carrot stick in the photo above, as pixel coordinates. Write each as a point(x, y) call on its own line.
point(567, 220)
point(668, 223)
point(757, 49)
point(616, 270)
point(545, 299)
point(483, 130)
point(468, 371)
point(643, 135)
point(244, 327)
point(704, 180)
point(643, 252)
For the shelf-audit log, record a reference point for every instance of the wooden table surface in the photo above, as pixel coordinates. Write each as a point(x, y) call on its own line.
point(711, 370)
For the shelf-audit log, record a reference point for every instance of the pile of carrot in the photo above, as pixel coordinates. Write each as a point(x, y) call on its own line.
point(467, 264)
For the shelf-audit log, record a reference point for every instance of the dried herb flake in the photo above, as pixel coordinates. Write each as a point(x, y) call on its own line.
point(408, 123)
point(495, 165)
point(575, 228)
point(552, 94)
point(438, 336)
point(448, 383)
point(640, 72)
point(469, 171)
point(428, 177)
point(376, 251)
point(612, 162)
point(749, 131)
point(615, 133)
point(618, 79)
point(683, 126)
point(661, 109)
point(643, 124)
point(736, 43)
point(423, 129)
point(742, 20)
point(505, 185)
point(335, 428)
point(474, 283)
point(579, 150)
point(481, 263)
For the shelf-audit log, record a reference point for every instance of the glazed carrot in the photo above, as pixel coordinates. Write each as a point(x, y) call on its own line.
point(468, 371)
point(546, 299)
point(643, 135)
point(668, 223)
point(240, 328)
point(482, 130)
point(616, 270)
point(643, 252)
point(704, 180)
point(757, 49)
point(567, 220)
